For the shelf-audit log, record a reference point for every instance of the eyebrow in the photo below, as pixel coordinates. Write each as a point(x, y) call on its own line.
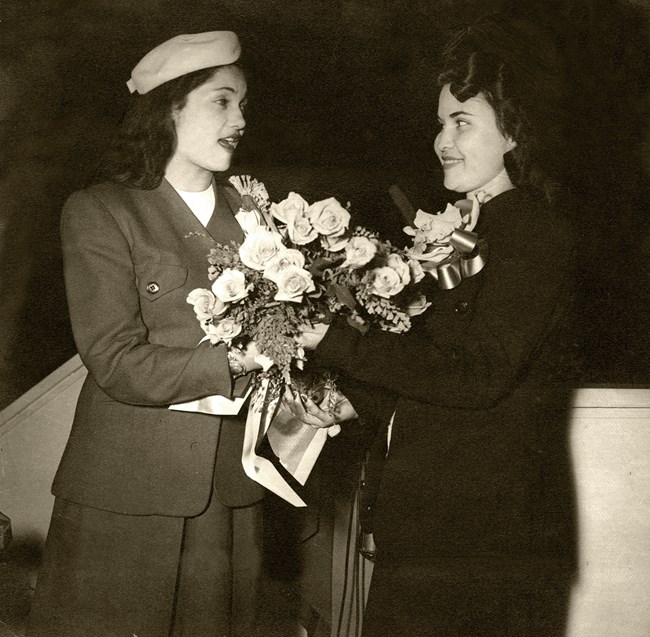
point(455, 114)
point(216, 89)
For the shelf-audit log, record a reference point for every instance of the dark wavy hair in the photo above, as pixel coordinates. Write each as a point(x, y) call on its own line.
point(146, 138)
point(515, 67)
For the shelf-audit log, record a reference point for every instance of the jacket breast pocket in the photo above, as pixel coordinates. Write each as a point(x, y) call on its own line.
point(159, 284)
point(155, 280)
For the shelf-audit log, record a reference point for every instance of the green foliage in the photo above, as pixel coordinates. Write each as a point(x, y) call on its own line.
point(222, 257)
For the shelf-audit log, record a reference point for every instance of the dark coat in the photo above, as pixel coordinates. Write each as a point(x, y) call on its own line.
point(478, 470)
point(130, 259)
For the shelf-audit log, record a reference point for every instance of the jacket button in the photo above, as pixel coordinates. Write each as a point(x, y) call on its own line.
point(153, 287)
point(193, 445)
point(461, 307)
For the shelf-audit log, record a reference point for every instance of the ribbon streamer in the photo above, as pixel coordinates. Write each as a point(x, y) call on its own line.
point(295, 444)
point(261, 411)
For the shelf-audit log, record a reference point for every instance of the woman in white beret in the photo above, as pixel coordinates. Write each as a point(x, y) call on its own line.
point(156, 529)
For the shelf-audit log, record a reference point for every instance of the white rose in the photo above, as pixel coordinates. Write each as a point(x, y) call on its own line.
point(282, 260)
point(206, 305)
point(293, 283)
point(259, 247)
point(334, 244)
point(329, 217)
point(290, 207)
point(223, 331)
point(397, 263)
point(386, 282)
point(358, 252)
point(300, 230)
point(230, 286)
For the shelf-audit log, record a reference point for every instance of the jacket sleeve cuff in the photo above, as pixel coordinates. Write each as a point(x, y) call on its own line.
point(211, 370)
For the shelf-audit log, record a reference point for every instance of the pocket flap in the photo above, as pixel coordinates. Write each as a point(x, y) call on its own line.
point(157, 279)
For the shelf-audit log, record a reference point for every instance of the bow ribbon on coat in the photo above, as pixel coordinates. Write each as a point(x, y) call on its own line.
point(444, 243)
point(467, 259)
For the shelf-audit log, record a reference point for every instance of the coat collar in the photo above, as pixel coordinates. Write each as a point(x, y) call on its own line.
point(183, 216)
point(177, 229)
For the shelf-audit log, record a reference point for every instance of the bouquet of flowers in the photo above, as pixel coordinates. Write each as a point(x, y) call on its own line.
point(301, 263)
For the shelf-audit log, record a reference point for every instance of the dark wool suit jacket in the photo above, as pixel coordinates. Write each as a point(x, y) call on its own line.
point(478, 466)
point(130, 259)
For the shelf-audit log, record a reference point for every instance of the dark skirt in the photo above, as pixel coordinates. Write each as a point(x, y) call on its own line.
point(106, 574)
point(465, 600)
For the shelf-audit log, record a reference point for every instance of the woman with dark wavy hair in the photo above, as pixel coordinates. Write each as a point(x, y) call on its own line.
point(146, 138)
point(516, 71)
point(156, 529)
point(474, 518)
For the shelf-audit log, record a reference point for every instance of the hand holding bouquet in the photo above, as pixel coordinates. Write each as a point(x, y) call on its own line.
point(298, 265)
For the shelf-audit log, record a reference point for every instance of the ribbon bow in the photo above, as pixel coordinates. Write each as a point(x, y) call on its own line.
point(469, 258)
point(469, 254)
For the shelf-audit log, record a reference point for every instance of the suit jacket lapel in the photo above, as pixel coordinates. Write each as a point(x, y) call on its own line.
point(223, 227)
point(179, 231)
point(173, 206)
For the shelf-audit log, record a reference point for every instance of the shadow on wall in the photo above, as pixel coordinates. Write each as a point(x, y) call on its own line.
point(342, 102)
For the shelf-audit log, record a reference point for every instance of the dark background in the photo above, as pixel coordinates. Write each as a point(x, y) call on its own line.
point(342, 102)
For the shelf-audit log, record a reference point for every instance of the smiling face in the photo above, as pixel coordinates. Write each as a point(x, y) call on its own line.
point(470, 145)
point(208, 128)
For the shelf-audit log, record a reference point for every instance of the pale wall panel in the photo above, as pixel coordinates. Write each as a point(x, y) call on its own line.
point(33, 433)
point(611, 451)
point(610, 437)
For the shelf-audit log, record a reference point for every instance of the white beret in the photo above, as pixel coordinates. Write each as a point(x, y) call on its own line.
point(183, 54)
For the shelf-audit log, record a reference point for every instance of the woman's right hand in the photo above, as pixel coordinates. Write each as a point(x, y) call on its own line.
point(244, 360)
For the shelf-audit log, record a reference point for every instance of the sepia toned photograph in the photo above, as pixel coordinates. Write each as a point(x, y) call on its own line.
point(324, 318)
